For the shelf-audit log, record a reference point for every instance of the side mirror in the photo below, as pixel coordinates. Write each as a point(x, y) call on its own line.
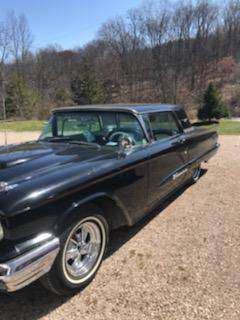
point(124, 145)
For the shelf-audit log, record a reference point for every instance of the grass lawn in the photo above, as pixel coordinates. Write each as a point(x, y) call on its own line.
point(227, 127)
point(28, 125)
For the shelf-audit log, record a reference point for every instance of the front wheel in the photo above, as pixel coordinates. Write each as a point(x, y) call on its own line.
point(81, 254)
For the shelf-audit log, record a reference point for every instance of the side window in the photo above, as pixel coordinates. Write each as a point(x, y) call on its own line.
point(109, 122)
point(129, 124)
point(147, 124)
point(183, 118)
point(163, 125)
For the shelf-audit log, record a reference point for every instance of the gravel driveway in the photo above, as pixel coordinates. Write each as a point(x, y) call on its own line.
point(182, 262)
point(17, 137)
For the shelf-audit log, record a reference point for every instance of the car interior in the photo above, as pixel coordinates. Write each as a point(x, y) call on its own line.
point(108, 128)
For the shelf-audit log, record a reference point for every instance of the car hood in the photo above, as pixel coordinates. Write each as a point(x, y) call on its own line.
point(29, 160)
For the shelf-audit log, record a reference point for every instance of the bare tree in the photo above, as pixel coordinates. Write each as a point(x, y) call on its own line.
point(157, 32)
point(181, 39)
point(20, 36)
point(19, 45)
point(4, 54)
point(157, 52)
point(231, 17)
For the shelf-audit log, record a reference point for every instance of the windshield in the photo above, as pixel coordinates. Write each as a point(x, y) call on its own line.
point(103, 128)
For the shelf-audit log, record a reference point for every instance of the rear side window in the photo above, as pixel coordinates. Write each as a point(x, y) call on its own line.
point(163, 125)
point(182, 116)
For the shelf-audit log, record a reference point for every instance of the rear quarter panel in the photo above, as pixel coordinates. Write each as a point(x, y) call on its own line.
point(200, 143)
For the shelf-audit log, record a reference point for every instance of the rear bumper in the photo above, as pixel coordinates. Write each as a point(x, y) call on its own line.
point(19, 272)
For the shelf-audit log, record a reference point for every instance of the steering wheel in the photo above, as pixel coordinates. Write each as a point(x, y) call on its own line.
point(88, 135)
point(118, 135)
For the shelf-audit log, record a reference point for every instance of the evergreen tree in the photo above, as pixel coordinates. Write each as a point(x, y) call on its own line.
point(20, 99)
point(87, 90)
point(221, 112)
point(213, 106)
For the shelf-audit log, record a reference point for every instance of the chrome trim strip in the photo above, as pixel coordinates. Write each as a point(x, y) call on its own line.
point(19, 272)
point(178, 174)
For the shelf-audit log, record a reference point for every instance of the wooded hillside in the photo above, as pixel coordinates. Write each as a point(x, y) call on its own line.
point(155, 53)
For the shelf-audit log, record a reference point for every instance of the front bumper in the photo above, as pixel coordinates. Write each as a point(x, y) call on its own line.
point(19, 272)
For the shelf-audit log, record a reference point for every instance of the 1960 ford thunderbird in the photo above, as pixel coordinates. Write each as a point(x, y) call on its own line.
point(93, 169)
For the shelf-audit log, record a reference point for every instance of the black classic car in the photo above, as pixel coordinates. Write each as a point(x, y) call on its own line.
point(93, 169)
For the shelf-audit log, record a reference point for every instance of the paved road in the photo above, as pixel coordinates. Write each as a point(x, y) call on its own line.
point(182, 262)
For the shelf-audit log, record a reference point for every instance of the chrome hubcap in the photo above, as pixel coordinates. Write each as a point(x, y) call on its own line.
point(83, 248)
point(196, 173)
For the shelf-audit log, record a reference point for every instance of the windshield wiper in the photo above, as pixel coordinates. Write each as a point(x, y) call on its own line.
point(55, 139)
point(69, 140)
point(80, 142)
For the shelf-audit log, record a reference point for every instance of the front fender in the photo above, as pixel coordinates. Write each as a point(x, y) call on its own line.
point(107, 204)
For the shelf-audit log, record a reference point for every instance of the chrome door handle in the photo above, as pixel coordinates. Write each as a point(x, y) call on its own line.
point(182, 140)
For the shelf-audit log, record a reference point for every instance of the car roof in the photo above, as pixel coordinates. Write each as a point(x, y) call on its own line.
point(134, 108)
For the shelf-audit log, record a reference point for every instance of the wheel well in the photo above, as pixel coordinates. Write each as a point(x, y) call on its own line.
point(107, 207)
point(114, 215)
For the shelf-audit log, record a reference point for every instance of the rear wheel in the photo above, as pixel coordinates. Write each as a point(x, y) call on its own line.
point(196, 174)
point(82, 251)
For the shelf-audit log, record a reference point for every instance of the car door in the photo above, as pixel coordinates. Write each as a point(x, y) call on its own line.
point(167, 155)
point(130, 185)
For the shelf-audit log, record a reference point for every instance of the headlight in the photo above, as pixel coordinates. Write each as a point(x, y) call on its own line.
point(4, 186)
point(1, 232)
